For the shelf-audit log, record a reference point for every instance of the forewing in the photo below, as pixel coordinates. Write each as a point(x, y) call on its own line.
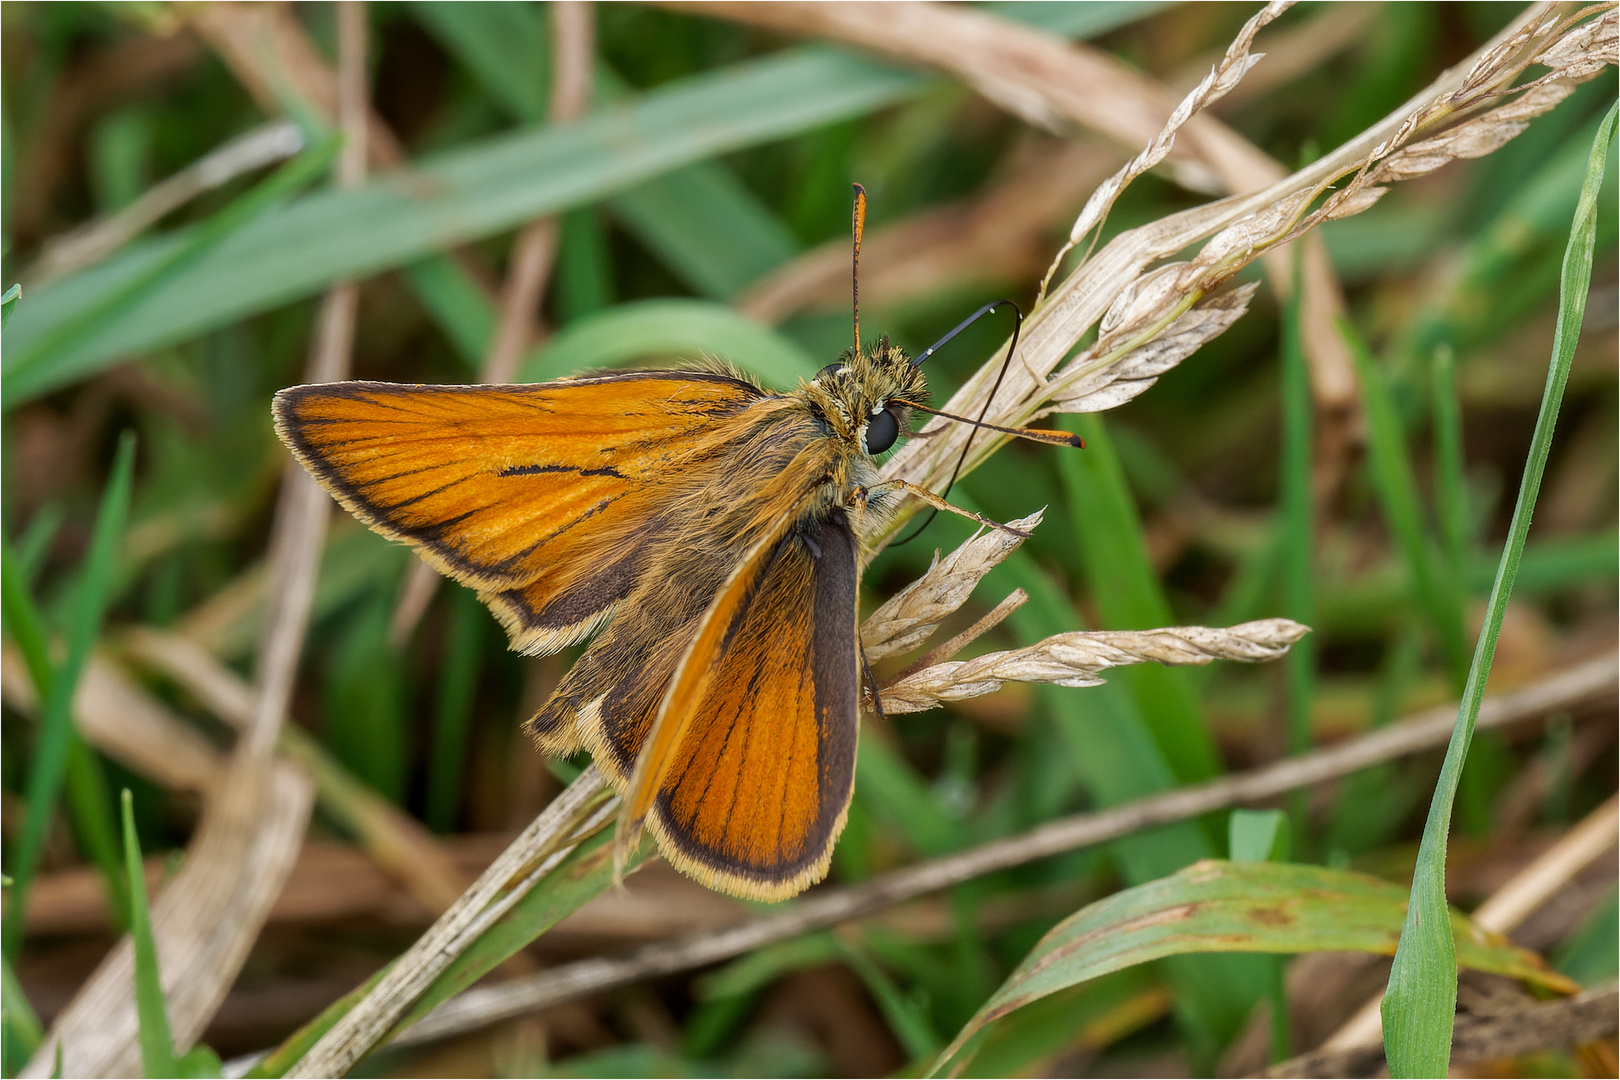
point(753, 795)
point(540, 496)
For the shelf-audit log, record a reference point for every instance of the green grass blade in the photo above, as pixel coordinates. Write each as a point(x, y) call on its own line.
point(1218, 907)
point(453, 198)
point(726, 995)
point(8, 304)
point(1509, 267)
point(1029, 1042)
point(90, 810)
point(887, 784)
point(909, 1023)
point(455, 302)
point(585, 283)
point(20, 1028)
point(1077, 18)
point(1110, 743)
point(1435, 588)
point(1257, 836)
point(58, 356)
point(703, 224)
point(458, 682)
point(466, 194)
point(157, 1046)
point(300, 1042)
point(1262, 836)
point(1589, 955)
point(56, 717)
point(718, 236)
point(676, 328)
point(89, 804)
point(1372, 604)
point(35, 540)
point(1114, 558)
point(505, 46)
point(584, 874)
point(1421, 1001)
point(23, 621)
point(366, 694)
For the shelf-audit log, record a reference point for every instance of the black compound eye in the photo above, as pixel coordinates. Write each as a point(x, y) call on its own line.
point(830, 369)
point(881, 431)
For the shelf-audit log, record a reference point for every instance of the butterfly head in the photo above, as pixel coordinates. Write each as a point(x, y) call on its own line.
point(857, 396)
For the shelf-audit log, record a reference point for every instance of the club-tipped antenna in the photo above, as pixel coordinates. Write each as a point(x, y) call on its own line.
point(859, 226)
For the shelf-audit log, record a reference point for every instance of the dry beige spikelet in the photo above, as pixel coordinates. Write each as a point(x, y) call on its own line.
point(1134, 299)
point(912, 614)
point(1097, 380)
point(1221, 79)
point(1078, 658)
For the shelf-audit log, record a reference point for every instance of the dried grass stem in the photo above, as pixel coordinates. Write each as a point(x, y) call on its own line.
point(1567, 689)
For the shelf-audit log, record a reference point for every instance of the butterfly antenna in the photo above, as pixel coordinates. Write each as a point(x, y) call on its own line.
point(1002, 374)
point(859, 226)
point(922, 357)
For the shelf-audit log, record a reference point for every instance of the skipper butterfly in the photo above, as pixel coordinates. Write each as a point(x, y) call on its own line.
point(703, 528)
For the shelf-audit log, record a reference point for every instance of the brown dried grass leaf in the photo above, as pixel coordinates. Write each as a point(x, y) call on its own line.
point(1077, 658)
point(204, 923)
point(583, 807)
point(117, 716)
point(394, 840)
point(909, 616)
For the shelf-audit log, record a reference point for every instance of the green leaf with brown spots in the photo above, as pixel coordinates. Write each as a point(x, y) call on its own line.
point(1211, 906)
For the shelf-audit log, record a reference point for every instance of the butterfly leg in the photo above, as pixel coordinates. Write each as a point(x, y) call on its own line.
point(871, 682)
point(861, 495)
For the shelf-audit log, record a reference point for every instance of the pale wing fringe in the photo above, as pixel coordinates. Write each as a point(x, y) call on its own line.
point(908, 617)
point(1116, 291)
point(1078, 658)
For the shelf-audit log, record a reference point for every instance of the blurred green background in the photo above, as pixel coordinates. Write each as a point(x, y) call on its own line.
point(715, 156)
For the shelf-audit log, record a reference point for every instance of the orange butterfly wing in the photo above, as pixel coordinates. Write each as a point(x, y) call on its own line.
point(541, 496)
point(753, 791)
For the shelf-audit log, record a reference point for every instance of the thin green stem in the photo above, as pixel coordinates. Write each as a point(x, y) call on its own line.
point(1420, 1003)
point(50, 759)
point(157, 1045)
